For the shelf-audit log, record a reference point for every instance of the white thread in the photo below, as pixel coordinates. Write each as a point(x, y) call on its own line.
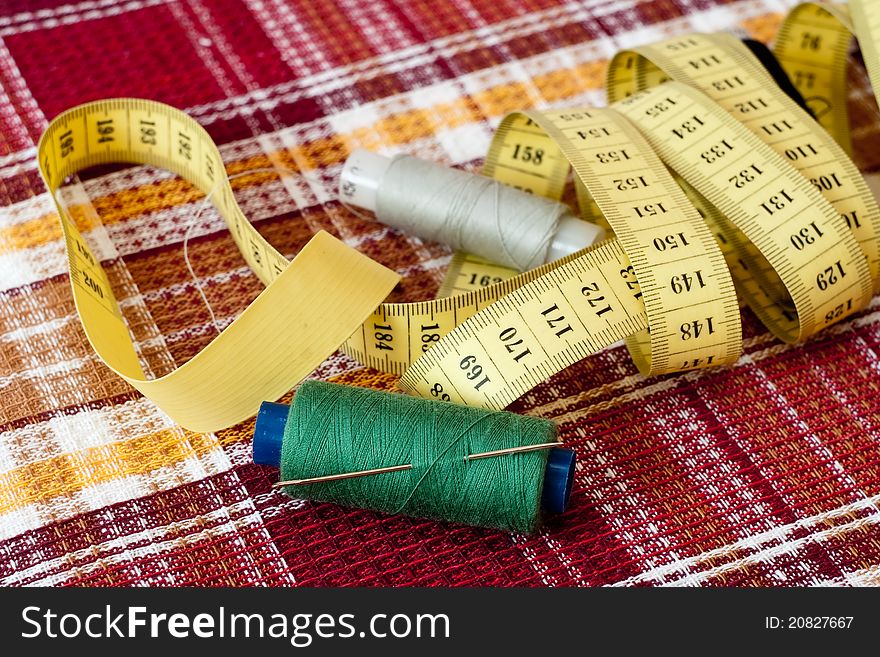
point(192, 222)
point(192, 273)
point(468, 212)
point(205, 202)
point(355, 211)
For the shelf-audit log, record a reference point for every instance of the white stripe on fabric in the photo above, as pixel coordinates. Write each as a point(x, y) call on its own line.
point(680, 571)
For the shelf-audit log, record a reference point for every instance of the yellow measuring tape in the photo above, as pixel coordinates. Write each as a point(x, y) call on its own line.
point(677, 271)
point(792, 217)
point(723, 68)
point(274, 343)
point(754, 188)
point(813, 48)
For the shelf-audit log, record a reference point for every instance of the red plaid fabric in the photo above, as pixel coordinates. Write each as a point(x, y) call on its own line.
point(766, 473)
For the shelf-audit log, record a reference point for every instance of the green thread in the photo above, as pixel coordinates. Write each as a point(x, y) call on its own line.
point(333, 429)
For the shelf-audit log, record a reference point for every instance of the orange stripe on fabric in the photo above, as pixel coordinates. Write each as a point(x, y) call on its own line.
point(402, 128)
point(42, 229)
point(763, 28)
point(120, 206)
point(398, 129)
point(67, 474)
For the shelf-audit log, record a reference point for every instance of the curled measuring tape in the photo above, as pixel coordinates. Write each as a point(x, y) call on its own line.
point(682, 278)
point(794, 255)
point(803, 233)
point(723, 68)
point(813, 48)
point(754, 188)
point(772, 257)
point(272, 344)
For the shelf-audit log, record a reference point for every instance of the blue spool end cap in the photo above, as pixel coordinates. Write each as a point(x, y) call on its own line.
point(269, 433)
point(558, 477)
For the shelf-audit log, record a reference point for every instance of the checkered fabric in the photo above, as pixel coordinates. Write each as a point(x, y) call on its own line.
point(766, 473)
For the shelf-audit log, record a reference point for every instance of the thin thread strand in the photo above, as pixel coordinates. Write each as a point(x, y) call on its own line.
point(206, 201)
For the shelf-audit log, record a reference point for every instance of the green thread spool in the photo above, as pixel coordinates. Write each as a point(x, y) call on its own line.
point(333, 429)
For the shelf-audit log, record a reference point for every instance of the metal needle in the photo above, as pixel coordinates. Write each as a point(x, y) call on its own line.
point(344, 475)
point(408, 466)
point(511, 450)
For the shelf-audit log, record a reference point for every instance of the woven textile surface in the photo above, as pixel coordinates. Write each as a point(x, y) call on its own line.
point(765, 473)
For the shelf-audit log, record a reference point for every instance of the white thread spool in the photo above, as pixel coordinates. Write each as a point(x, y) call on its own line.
point(466, 211)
